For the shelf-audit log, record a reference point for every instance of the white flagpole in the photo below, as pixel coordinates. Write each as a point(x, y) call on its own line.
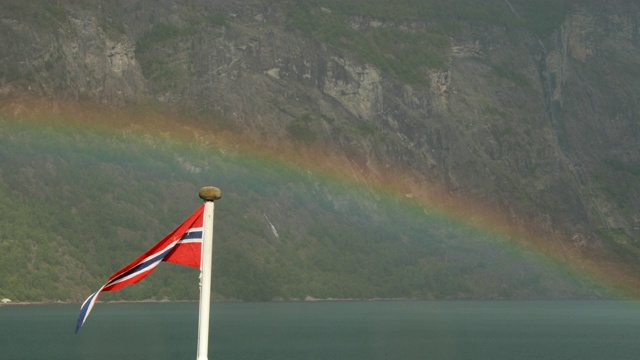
point(209, 194)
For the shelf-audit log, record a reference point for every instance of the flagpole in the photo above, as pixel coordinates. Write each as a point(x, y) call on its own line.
point(209, 194)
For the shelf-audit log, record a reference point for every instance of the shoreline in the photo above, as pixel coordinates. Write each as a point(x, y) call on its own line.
point(306, 299)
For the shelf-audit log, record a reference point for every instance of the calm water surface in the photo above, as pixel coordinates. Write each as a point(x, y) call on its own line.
point(509, 330)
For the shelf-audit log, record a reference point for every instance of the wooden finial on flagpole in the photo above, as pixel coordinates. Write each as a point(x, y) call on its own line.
point(210, 193)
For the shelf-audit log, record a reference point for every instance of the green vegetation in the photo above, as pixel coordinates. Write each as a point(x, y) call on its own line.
point(157, 68)
point(511, 75)
point(619, 165)
point(42, 13)
point(406, 54)
point(542, 18)
point(80, 204)
point(406, 38)
point(159, 33)
point(300, 129)
point(216, 20)
point(617, 179)
point(152, 46)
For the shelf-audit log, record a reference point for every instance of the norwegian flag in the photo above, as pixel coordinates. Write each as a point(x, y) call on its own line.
point(182, 246)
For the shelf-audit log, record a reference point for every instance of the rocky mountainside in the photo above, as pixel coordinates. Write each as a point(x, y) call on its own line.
point(526, 107)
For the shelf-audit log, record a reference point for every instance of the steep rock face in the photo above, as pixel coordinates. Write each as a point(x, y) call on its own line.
point(73, 57)
point(545, 129)
point(99, 67)
point(592, 79)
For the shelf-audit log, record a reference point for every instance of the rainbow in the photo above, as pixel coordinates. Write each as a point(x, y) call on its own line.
point(392, 184)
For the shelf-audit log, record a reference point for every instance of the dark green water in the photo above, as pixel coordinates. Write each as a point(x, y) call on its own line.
point(510, 330)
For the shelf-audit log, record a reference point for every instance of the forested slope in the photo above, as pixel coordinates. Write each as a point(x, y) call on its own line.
point(79, 203)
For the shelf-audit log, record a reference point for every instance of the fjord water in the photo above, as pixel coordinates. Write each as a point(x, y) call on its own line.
point(329, 330)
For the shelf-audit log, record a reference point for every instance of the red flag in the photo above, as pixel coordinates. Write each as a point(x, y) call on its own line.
point(182, 246)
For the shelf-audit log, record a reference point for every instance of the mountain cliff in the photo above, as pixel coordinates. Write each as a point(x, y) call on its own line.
point(527, 108)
